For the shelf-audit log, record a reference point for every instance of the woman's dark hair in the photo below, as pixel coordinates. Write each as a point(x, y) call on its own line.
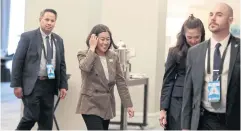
point(99, 29)
point(182, 46)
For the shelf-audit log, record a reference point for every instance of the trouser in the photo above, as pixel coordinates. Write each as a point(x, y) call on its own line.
point(94, 122)
point(212, 121)
point(39, 106)
point(174, 114)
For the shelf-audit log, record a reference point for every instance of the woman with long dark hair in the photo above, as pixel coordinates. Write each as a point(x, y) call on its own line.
point(100, 72)
point(192, 33)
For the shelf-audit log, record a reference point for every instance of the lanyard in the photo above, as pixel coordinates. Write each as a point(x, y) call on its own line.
point(223, 56)
point(43, 47)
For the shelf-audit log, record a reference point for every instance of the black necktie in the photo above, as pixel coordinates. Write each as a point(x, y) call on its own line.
point(216, 66)
point(49, 50)
point(216, 62)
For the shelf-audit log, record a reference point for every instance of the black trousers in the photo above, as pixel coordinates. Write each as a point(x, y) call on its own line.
point(94, 122)
point(212, 121)
point(39, 106)
point(174, 114)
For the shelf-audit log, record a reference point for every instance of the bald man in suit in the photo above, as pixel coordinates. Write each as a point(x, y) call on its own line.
point(206, 72)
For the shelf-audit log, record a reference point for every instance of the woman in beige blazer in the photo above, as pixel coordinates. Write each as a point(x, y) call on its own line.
point(101, 71)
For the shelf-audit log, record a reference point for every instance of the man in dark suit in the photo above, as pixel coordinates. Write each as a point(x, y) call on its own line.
point(211, 95)
point(38, 52)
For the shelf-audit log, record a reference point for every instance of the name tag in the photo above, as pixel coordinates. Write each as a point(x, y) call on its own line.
point(50, 71)
point(214, 92)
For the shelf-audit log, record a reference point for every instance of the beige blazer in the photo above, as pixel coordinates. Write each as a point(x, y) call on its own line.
point(97, 93)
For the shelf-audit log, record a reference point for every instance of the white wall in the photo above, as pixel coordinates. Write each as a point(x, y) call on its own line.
point(180, 10)
point(202, 12)
point(139, 23)
point(138, 27)
point(72, 25)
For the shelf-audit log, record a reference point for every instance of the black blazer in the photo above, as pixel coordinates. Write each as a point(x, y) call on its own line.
point(26, 61)
point(233, 94)
point(173, 79)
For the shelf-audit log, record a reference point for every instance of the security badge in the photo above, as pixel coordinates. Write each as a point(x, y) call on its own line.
point(50, 71)
point(50, 68)
point(214, 91)
point(214, 87)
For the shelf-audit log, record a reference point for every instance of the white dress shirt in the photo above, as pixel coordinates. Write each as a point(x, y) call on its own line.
point(43, 70)
point(105, 66)
point(224, 76)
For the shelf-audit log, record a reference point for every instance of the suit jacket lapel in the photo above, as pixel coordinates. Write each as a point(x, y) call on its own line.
point(199, 68)
point(233, 55)
point(55, 40)
point(201, 62)
point(100, 70)
point(39, 42)
point(57, 56)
